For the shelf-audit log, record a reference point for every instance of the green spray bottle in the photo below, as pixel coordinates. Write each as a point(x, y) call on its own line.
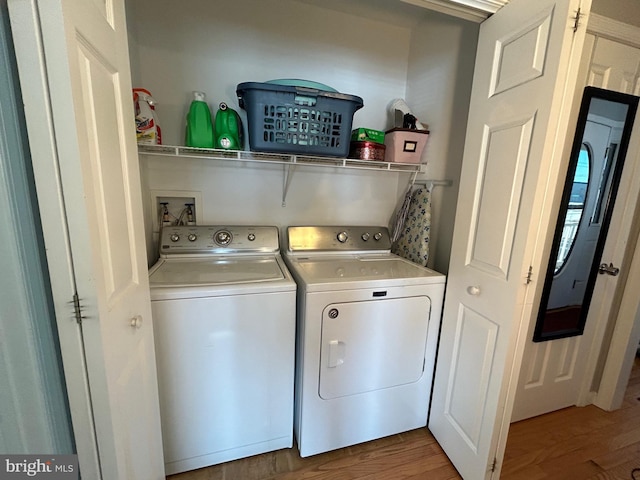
point(199, 125)
point(228, 128)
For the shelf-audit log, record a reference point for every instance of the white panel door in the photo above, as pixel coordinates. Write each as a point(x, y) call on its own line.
point(73, 59)
point(615, 67)
point(553, 372)
point(527, 60)
point(559, 373)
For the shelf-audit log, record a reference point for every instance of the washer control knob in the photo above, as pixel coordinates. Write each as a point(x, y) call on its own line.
point(377, 236)
point(222, 238)
point(343, 237)
point(251, 237)
point(192, 237)
point(366, 236)
point(174, 237)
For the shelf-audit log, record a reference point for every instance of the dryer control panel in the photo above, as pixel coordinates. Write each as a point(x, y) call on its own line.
point(217, 240)
point(338, 239)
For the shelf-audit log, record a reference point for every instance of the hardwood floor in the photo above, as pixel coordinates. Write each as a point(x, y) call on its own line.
point(578, 443)
point(573, 443)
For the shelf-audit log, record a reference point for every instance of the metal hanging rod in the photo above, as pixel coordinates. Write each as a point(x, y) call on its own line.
point(435, 183)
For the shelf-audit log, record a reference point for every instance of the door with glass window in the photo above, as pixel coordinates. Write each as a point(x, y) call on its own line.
point(583, 219)
point(558, 364)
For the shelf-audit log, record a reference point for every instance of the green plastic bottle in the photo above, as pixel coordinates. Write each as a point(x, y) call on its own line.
point(199, 125)
point(228, 129)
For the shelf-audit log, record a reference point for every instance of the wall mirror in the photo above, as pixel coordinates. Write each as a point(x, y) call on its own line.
point(602, 136)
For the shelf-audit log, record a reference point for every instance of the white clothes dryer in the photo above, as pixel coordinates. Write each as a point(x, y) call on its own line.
point(223, 305)
point(367, 330)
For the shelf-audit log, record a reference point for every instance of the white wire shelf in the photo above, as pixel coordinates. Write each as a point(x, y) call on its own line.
point(277, 158)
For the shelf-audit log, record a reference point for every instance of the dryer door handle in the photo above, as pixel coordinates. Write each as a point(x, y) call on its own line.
point(336, 353)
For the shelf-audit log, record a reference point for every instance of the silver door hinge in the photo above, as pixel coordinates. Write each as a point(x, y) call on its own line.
point(494, 464)
point(529, 274)
point(77, 308)
point(576, 20)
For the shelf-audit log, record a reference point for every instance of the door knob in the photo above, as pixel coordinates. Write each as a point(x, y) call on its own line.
point(608, 269)
point(473, 290)
point(136, 322)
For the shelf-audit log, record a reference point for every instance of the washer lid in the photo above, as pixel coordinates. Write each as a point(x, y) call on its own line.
point(215, 271)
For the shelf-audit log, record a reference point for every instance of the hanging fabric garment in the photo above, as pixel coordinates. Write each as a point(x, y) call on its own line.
point(413, 243)
point(401, 216)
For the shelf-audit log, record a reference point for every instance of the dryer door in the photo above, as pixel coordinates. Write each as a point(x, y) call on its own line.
point(372, 345)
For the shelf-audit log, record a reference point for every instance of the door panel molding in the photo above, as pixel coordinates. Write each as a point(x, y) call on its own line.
point(499, 194)
point(101, 94)
point(568, 357)
point(474, 333)
point(538, 366)
point(533, 38)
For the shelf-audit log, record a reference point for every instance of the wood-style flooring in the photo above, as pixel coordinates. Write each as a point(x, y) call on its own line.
point(574, 443)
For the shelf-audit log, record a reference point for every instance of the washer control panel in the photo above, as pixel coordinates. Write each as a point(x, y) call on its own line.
point(338, 239)
point(218, 239)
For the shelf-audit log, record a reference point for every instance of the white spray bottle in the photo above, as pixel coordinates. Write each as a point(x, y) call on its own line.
point(147, 128)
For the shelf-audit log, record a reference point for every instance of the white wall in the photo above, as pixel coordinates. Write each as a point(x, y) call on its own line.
point(626, 11)
point(212, 47)
point(252, 194)
point(441, 65)
point(183, 46)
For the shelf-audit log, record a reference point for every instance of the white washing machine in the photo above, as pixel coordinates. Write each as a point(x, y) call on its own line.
point(223, 306)
point(368, 324)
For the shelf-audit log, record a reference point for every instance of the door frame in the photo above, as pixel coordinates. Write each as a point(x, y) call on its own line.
point(108, 360)
point(49, 186)
point(620, 338)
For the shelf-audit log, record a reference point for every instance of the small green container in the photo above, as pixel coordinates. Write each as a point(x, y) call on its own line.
point(199, 126)
point(228, 129)
point(367, 135)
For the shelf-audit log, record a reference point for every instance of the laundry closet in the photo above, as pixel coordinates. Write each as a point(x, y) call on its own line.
point(379, 51)
point(371, 53)
point(376, 50)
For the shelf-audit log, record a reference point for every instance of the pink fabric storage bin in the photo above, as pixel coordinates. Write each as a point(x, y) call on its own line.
point(405, 145)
